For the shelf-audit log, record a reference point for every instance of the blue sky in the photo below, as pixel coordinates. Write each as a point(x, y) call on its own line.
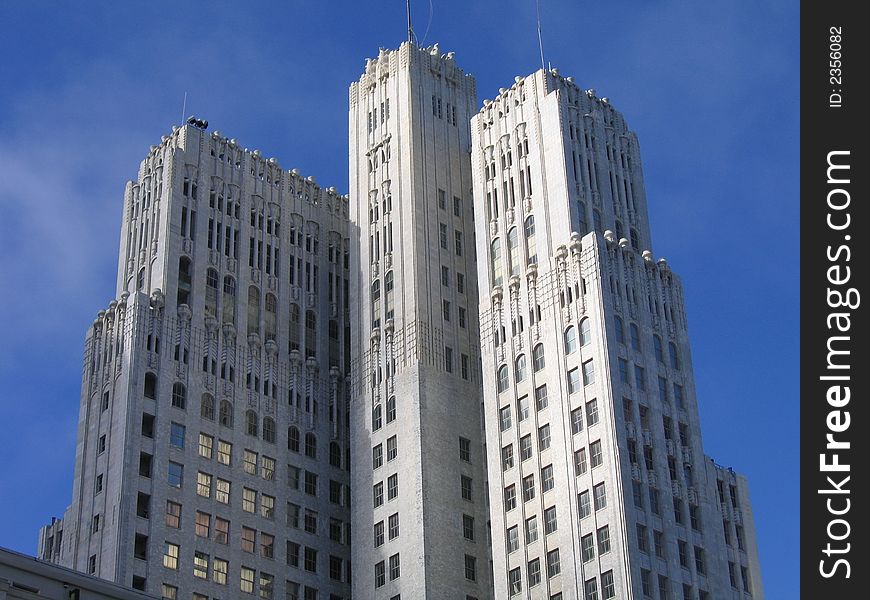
point(710, 88)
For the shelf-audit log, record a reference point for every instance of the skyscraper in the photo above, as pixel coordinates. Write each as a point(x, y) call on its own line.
point(598, 483)
point(212, 456)
point(420, 509)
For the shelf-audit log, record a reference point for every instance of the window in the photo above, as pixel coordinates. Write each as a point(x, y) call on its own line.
point(510, 498)
point(528, 488)
point(457, 242)
point(293, 439)
point(249, 500)
point(585, 334)
point(635, 336)
point(378, 493)
point(206, 445)
point(672, 353)
point(380, 574)
point(620, 330)
point(573, 381)
point(267, 545)
point(642, 538)
point(176, 435)
point(391, 409)
point(200, 565)
point(267, 506)
point(250, 462)
point(515, 582)
point(639, 377)
point(249, 537)
point(394, 567)
point(226, 412)
point(608, 586)
point(310, 483)
point(465, 484)
point(548, 481)
point(599, 493)
point(534, 572)
point(645, 583)
point(170, 555)
point(554, 565)
point(442, 235)
point(550, 523)
point(570, 340)
point(595, 454)
point(175, 476)
point(173, 514)
point(464, 449)
point(623, 370)
point(168, 592)
point(591, 589)
point(246, 578)
point(203, 484)
point(523, 408)
point(587, 547)
point(678, 397)
point(310, 445)
point(588, 372)
point(580, 462)
point(659, 543)
point(700, 562)
point(513, 539)
point(267, 468)
point(583, 507)
point(269, 430)
point(507, 457)
point(221, 531)
point(393, 526)
point(392, 486)
point(505, 418)
point(525, 447)
point(544, 437)
point(538, 357)
point(377, 417)
point(222, 491)
point(521, 369)
point(219, 570)
point(293, 553)
point(470, 568)
point(657, 348)
point(502, 382)
point(604, 540)
point(379, 533)
point(541, 397)
point(377, 456)
point(592, 412)
point(531, 529)
point(179, 395)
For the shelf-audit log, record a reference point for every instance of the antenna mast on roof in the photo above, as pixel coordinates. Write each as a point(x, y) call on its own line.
point(540, 38)
point(183, 107)
point(410, 30)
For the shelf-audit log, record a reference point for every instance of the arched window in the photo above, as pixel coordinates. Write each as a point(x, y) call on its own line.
point(295, 323)
point(570, 340)
point(376, 303)
point(269, 430)
point(585, 333)
point(635, 336)
point(675, 358)
point(538, 357)
point(620, 330)
point(211, 292)
point(310, 333)
point(271, 316)
point(335, 455)
point(251, 422)
point(310, 445)
point(502, 378)
point(253, 310)
point(292, 439)
point(657, 345)
point(229, 300)
point(388, 294)
point(513, 251)
point(206, 407)
point(619, 231)
point(531, 247)
point(582, 223)
point(140, 279)
point(495, 258)
point(377, 417)
point(596, 220)
point(521, 369)
point(179, 395)
point(150, 385)
point(226, 413)
point(184, 281)
point(391, 409)
point(635, 239)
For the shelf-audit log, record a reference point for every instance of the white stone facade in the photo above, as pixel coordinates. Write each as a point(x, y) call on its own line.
point(598, 483)
point(416, 381)
point(213, 442)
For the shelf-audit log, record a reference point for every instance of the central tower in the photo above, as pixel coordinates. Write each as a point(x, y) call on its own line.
point(418, 464)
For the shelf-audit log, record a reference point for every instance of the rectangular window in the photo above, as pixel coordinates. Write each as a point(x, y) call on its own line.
point(587, 547)
point(224, 454)
point(267, 545)
point(206, 445)
point(176, 435)
point(378, 494)
point(592, 412)
point(200, 565)
point(203, 524)
point(548, 481)
point(588, 372)
point(293, 553)
point(249, 500)
point(642, 538)
point(222, 491)
point(595, 454)
point(554, 564)
point(531, 529)
point(170, 555)
point(639, 377)
point(541, 398)
point(550, 522)
point(219, 570)
point(583, 505)
point(534, 572)
point(465, 483)
point(507, 457)
point(249, 539)
point(659, 543)
point(393, 526)
point(591, 589)
point(580, 462)
point(470, 568)
point(221, 531)
point(528, 488)
point(523, 408)
point(573, 381)
point(394, 567)
point(608, 586)
point(310, 560)
point(525, 447)
point(250, 462)
point(515, 582)
point(604, 540)
point(544, 437)
point(510, 498)
point(513, 539)
point(379, 534)
point(380, 574)
point(203, 484)
point(267, 506)
point(175, 475)
point(173, 514)
point(246, 579)
point(442, 235)
point(392, 448)
point(377, 456)
point(392, 486)
point(464, 449)
point(600, 496)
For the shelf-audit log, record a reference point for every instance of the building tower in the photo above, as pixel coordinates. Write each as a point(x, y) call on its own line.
point(212, 455)
point(418, 468)
point(598, 482)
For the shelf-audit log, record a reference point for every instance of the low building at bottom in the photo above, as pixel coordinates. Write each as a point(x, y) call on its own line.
point(23, 577)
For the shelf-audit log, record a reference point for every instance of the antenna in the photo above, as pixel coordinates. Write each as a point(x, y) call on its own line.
point(540, 38)
point(410, 30)
point(184, 107)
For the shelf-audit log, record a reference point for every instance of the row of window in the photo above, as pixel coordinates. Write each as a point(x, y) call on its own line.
point(634, 332)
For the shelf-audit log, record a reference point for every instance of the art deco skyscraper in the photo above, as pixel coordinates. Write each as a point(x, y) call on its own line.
point(418, 475)
point(598, 483)
point(213, 436)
